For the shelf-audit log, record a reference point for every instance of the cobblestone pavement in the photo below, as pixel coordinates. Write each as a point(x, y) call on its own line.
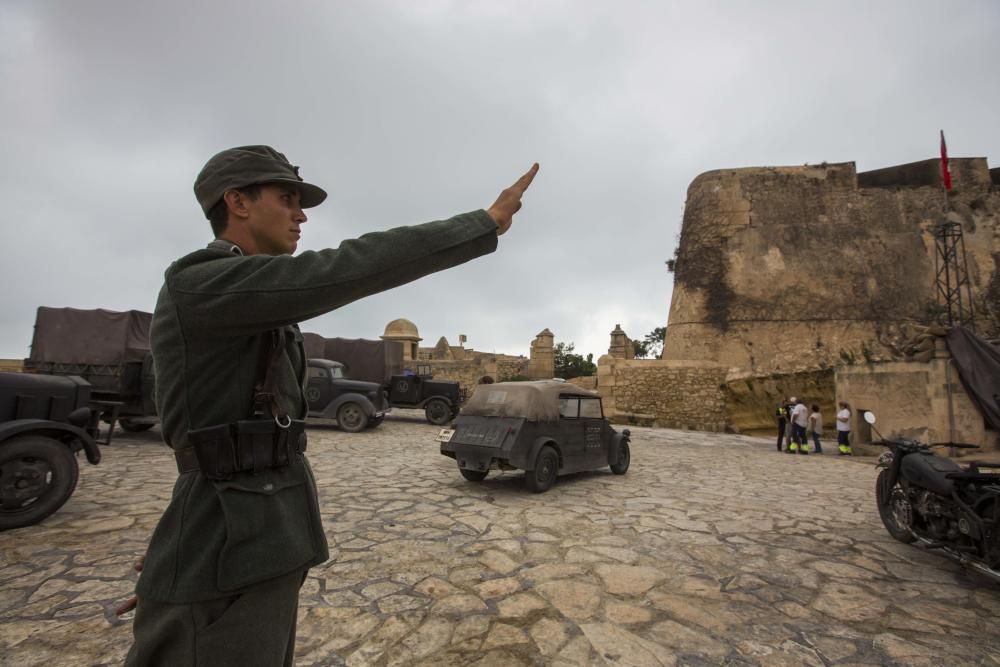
point(712, 550)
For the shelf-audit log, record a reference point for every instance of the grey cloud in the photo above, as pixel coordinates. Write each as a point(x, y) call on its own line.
point(410, 111)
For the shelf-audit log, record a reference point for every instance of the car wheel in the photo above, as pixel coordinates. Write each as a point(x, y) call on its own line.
point(375, 421)
point(620, 467)
point(474, 475)
point(133, 427)
point(37, 476)
point(438, 412)
point(351, 418)
point(546, 470)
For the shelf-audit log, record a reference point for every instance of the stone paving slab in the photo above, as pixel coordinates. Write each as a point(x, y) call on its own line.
point(712, 550)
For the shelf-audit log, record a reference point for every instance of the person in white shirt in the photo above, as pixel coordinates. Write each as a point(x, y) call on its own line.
point(844, 429)
point(800, 419)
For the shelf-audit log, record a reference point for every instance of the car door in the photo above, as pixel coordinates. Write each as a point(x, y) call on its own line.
point(571, 434)
point(319, 391)
point(592, 422)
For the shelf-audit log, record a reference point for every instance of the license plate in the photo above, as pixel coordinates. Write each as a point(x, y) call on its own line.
point(445, 435)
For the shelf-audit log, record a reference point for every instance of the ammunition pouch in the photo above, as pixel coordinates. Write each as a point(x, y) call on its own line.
point(249, 445)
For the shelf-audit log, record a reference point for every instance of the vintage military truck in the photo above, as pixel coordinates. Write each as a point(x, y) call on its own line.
point(356, 405)
point(109, 349)
point(381, 361)
point(44, 422)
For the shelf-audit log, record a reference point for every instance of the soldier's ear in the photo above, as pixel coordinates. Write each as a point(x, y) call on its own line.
point(236, 204)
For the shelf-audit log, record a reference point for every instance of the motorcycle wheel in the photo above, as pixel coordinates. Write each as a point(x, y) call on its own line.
point(891, 506)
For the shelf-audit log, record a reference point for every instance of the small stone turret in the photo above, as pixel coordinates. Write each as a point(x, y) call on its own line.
point(542, 365)
point(621, 344)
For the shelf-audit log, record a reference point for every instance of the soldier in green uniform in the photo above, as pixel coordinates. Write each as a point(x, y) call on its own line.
point(221, 577)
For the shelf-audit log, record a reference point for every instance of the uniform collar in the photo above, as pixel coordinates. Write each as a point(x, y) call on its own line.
point(227, 246)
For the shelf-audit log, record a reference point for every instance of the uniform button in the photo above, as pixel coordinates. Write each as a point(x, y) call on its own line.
point(268, 486)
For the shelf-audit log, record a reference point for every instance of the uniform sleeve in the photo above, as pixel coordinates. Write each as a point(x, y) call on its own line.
point(240, 295)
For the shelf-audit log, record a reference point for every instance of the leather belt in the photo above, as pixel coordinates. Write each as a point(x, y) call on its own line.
point(251, 445)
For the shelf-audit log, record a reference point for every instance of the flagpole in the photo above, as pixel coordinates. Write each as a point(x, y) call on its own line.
point(946, 189)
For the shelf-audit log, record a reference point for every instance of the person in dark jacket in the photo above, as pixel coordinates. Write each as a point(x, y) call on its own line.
point(221, 576)
point(781, 417)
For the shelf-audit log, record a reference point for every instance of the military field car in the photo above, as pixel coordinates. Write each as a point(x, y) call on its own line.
point(356, 405)
point(546, 428)
point(44, 421)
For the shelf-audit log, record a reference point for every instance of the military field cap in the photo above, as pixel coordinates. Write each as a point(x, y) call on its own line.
point(250, 165)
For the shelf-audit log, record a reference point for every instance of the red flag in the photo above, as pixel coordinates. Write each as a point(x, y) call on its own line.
point(945, 172)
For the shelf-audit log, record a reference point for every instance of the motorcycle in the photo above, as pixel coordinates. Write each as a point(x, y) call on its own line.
point(940, 505)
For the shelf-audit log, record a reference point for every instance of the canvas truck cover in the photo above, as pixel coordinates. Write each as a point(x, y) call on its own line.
point(367, 360)
point(96, 337)
point(534, 401)
point(978, 363)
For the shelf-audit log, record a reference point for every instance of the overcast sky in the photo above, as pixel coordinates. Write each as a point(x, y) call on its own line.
point(416, 110)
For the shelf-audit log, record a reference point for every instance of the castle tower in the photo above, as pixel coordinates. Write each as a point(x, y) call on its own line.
point(405, 332)
point(542, 364)
point(621, 344)
point(786, 269)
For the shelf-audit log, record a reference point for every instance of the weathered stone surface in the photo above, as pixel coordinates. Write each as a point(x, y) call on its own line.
point(505, 635)
point(462, 603)
point(549, 635)
point(618, 646)
point(626, 580)
point(659, 555)
point(520, 605)
point(574, 600)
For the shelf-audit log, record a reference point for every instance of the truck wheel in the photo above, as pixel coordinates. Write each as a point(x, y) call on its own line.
point(37, 476)
point(546, 470)
point(351, 417)
point(620, 466)
point(438, 412)
point(133, 427)
point(474, 475)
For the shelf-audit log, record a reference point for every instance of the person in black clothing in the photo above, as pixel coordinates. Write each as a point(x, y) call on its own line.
point(781, 415)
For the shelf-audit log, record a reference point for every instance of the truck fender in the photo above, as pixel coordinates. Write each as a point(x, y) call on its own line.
point(536, 447)
point(74, 438)
point(427, 400)
point(616, 443)
point(360, 399)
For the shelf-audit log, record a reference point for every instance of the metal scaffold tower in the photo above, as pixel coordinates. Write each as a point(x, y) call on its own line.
point(953, 288)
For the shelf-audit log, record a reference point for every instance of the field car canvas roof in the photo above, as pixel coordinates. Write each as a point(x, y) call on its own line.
point(534, 401)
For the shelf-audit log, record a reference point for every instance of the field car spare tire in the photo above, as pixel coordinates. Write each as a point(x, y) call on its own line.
point(620, 466)
point(545, 472)
point(37, 476)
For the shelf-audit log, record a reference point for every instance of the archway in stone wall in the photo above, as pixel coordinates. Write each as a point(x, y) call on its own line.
point(486, 379)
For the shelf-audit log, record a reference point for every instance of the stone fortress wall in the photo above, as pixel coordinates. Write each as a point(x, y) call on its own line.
point(809, 281)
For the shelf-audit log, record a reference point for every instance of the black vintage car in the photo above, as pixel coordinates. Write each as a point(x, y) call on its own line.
point(356, 405)
point(545, 428)
point(44, 421)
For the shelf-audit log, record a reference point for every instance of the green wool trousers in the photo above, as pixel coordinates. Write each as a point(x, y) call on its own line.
point(256, 627)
